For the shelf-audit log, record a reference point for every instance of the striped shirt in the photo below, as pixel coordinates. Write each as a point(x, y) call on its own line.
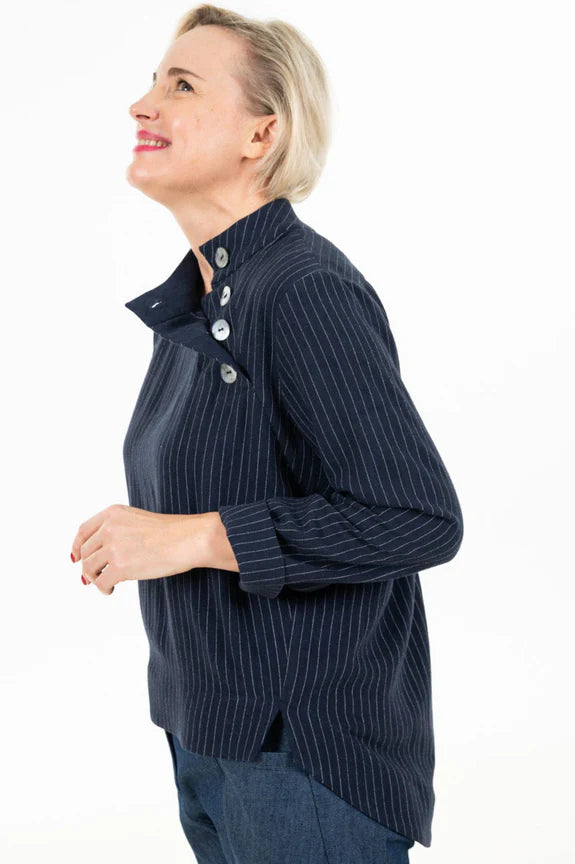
point(276, 399)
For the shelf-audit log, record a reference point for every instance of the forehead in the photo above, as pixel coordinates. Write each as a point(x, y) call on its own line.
point(207, 50)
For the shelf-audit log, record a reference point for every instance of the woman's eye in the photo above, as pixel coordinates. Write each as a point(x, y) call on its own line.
point(182, 81)
point(178, 82)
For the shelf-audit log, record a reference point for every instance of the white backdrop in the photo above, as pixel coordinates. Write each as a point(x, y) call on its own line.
point(452, 173)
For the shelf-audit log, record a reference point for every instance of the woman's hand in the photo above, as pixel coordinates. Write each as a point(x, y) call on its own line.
point(123, 542)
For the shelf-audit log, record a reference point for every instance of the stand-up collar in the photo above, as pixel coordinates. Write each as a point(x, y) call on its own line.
point(235, 244)
point(177, 308)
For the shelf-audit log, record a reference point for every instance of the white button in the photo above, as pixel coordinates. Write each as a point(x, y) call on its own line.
point(228, 373)
point(225, 295)
point(220, 329)
point(222, 256)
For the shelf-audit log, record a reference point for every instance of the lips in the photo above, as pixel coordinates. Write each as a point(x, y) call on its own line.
point(147, 148)
point(150, 136)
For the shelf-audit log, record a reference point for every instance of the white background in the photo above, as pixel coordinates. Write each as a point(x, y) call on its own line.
point(451, 177)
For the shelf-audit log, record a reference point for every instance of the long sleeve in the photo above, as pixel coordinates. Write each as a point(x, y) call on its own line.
point(391, 508)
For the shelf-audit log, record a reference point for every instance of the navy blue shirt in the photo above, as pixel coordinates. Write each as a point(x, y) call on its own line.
point(277, 400)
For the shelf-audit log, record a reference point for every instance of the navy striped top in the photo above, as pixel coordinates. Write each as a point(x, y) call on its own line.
point(276, 399)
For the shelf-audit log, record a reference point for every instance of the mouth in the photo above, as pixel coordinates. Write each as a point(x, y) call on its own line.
point(150, 144)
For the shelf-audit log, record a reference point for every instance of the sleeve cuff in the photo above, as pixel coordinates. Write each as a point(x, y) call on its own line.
point(252, 536)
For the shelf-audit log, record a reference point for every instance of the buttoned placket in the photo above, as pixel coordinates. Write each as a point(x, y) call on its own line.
point(203, 328)
point(179, 310)
point(220, 329)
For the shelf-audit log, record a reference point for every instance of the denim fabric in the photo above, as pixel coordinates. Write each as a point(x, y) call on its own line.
point(271, 812)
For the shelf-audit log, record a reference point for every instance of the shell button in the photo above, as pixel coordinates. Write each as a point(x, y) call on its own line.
point(228, 373)
point(220, 329)
point(222, 257)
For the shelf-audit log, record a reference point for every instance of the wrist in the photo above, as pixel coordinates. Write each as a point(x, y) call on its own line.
point(217, 551)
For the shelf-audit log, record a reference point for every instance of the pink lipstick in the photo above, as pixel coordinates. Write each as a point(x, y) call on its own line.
point(148, 141)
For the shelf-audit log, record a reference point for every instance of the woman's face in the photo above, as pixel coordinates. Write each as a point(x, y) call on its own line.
point(201, 114)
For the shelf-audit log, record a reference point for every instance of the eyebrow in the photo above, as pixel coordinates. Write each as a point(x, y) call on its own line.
point(177, 70)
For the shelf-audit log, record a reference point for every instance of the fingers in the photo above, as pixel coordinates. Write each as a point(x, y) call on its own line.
point(92, 565)
point(103, 581)
point(95, 570)
point(88, 528)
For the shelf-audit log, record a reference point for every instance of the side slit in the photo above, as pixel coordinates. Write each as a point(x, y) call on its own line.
point(274, 735)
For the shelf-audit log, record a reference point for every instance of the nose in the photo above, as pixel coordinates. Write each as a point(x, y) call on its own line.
point(138, 109)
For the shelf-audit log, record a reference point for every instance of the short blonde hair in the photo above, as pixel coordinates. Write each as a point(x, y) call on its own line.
point(282, 74)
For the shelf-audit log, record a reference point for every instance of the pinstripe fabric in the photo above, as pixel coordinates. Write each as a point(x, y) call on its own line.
point(333, 496)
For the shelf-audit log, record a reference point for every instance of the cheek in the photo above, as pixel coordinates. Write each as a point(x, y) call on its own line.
point(186, 135)
point(186, 129)
point(201, 131)
point(227, 132)
point(211, 136)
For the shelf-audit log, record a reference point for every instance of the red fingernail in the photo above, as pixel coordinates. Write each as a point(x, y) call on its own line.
point(72, 557)
point(83, 580)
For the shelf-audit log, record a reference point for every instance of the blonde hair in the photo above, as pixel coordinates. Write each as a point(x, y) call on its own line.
point(281, 73)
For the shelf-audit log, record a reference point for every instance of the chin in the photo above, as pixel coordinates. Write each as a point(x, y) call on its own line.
point(140, 179)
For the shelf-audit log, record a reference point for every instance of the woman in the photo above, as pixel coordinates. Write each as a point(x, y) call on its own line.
point(284, 492)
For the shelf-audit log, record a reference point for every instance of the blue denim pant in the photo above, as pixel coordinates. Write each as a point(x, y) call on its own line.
point(271, 812)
